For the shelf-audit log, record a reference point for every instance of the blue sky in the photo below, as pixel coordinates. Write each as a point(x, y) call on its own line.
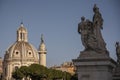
point(57, 20)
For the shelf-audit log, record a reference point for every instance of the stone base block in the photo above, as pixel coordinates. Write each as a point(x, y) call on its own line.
point(94, 67)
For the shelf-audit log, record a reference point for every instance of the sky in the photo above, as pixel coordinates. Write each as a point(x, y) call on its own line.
point(58, 21)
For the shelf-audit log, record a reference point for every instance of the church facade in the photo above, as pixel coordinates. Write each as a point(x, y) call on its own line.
point(22, 53)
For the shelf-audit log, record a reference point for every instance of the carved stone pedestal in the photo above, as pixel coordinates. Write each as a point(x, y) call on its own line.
point(116, 72)
point(94, 66)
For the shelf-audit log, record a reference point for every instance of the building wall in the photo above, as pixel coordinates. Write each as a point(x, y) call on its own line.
point(66, 67)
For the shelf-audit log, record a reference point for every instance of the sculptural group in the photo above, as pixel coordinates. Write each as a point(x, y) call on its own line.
point(90, 31)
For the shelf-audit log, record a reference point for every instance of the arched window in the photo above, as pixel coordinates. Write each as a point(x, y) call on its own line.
point(29, 53)
point(16, 52)
point(21, 36)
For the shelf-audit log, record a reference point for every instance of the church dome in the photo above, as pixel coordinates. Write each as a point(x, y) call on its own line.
point(21, 53)
point(22, 50)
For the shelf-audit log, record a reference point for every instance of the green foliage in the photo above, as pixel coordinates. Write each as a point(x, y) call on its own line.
point(25, 71)
point(17, 75)
point(74, 77)
point(39, 72)
point(57, 74)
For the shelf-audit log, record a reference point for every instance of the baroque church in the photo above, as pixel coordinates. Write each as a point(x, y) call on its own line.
point(22, 53)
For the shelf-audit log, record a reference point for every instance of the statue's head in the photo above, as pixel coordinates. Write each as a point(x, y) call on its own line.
point(117, 43)
point(82, 18)
point(95, 8)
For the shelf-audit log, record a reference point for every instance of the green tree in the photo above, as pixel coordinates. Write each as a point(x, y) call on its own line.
point(37, 72)
point(57, 74)
point(74, 77)
point(25, 71)
point(17, 75)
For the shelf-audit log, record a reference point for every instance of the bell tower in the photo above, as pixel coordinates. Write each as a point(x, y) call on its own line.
point(22, 33)
point(42, 52)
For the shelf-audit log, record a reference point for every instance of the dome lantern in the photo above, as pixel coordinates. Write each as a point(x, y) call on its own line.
point(22, 33)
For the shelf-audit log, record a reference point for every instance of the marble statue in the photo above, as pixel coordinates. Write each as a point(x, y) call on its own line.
point(94, 62)
point(82, 29)
point(91, 32)
point(97, 24)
